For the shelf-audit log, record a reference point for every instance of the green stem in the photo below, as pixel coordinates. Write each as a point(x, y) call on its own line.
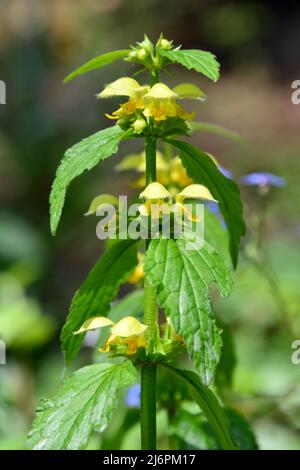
point(150, 150)
point(148, 373)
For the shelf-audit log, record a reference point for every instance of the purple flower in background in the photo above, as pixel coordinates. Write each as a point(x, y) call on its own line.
point(213, 207)
point(225, 172)
point(262, 179)
point(133, 397)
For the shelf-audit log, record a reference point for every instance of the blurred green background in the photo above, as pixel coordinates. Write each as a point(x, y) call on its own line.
point(258, 46)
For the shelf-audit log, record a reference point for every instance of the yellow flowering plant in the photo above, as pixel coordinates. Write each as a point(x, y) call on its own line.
point(178, 325)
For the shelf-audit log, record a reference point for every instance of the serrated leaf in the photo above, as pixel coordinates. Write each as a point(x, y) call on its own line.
point(182, 278)
point(97, 62)
point(97, 292)
point(215, 129)
point(82, 156)
point(202, 169)
point(85, 403)
point(201, 61)
point(210, 406)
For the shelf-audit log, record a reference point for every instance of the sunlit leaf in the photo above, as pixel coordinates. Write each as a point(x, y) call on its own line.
point(98, 62)
point(182, 278)
point(81, 157)
point(201, 61)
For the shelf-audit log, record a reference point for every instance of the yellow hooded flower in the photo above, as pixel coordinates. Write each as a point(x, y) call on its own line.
point(125, 86)
point(160, 103)
point(193, 191)
point(155, 195)
point(128, 333)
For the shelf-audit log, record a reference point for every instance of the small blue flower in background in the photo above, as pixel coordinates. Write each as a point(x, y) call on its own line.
point(262, 179)
point(213, 207)
point(133, 397)
point(225, 172)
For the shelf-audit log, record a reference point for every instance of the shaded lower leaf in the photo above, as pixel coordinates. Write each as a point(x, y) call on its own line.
point(226, 366)
point(210, 406)
point(194, 431)
point(85, 403)
point(182, 278)
point(241, 430)
point(97, 292)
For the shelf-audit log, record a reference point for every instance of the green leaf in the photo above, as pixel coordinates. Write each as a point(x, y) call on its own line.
point(215, 234)
point(85, 403)
point(95, 295)
point(193, 430)
point(203, 170)
point(214, 129)
point(227, 364)
point(82, 156)
point(97, 62)
point(241, 430)
point(210, 406)
point(182, 279)
point(189, 91)
point(201, 61)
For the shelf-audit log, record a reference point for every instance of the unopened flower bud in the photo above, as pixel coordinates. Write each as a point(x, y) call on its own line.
point(165, 44)
point(142, 54)
point(139, 125)
point(132, 54)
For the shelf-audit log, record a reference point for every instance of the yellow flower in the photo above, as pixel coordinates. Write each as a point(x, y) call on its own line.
point(169, 331)
point(155, 191)
point(178, 173)
point(128, 333)
point(126, 109)
point(193, 191)
point(155, 195)
point(125, 86)
point(138, 272)
point(160, 103)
